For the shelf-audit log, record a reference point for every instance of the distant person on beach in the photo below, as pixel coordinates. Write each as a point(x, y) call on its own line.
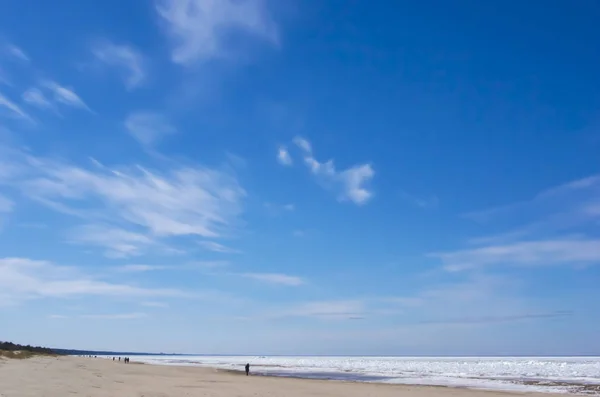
point(247, 369)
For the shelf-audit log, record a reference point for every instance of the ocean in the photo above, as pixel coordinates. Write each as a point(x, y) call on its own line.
point(574, 375)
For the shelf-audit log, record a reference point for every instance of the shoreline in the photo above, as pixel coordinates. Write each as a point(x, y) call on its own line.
point(100, 377)
point(299, 377)
point(511, 386)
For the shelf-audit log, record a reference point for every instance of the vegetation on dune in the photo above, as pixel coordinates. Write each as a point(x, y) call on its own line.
point(14, 350)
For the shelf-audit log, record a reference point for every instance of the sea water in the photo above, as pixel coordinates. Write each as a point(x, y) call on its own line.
point(577, 375)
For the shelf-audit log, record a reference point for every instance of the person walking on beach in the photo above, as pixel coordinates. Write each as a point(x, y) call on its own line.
point(247, 369)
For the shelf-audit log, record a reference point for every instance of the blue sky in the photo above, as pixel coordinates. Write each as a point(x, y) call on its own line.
point(286, 177)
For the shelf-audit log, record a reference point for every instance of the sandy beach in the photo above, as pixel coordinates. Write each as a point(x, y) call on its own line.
point(96, 377)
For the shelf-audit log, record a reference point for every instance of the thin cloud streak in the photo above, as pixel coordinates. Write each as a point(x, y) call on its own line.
point(127, 60)
point(13, 108)
point(181, 200)
point(148, 127)
point(36, 97)
point(120, 316)
point(65, 95)
point(118, 243)
point(17, 53)
point(501, 319)
point(275, 278)
point(25, 279)
point(190, 266)
point(216, 247)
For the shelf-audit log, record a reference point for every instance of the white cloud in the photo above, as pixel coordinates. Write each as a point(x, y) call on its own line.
point(349, 183)
point(139, 268)
point(491, 319)
point(23, 278)
point(13, 108)
point(155, 304)
point(557, 226)
point(57, 316)
point(182, 200)
point(17, 53)
point(118, 243)
point(6, 205)
point(528, 253)
point(216, 247)
point(569, 200)
point(148, 127)
point(303, 144)
point(283, 156)
point(198, 28)
point(33, 225)
point(191, 266)
point(126, 59)
point(65, 95)
point(335, 310)
point(277, 209)
point(353, 180)
point(431, 202)
point(275, 278)
point(4, 78)
point(405, 301)
point(121, 316)
point(36, 97)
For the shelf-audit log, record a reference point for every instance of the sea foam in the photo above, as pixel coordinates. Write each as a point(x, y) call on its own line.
point(578, 375)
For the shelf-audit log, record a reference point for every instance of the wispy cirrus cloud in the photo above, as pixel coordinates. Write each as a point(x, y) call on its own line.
point(217, 247)
point(277, 209)
point(565, 208)
point(65, 95)
point(431, 202)
point(129, 210)
point(12, 109)
point(17, 53)
point(557, 227)
point(275, 278)
point(35, 97)
point(329, 310)
point(155, 304)
point(115, 316)
point(148, 127)
point(6, 205)
point(57, 316)
point(200, 29)
point(118, 243)
point(140, 268)
point(24, 279)
point(527, 253)
point(127, 60)
point(500, 319)
point(183, 200)
point(349, 184)
point(189, 266)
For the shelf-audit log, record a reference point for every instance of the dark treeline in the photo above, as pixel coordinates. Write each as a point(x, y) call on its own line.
point(11, 347)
